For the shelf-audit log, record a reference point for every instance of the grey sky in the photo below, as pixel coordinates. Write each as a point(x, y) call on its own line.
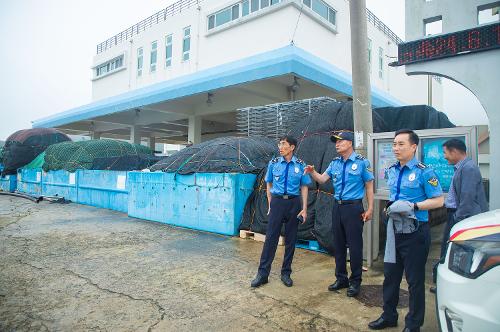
point(48, 46)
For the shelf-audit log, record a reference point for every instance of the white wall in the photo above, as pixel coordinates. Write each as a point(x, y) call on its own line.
point(270, 29)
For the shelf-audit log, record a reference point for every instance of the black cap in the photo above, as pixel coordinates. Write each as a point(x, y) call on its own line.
point(342, 135)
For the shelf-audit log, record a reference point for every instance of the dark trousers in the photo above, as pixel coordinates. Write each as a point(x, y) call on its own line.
point(411, 256)
point(348, 231)
point(282, 211)
point(447, 229)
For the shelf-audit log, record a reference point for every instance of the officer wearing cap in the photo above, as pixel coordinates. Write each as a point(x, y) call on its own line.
point(351, 175)
point(417, 186)
point(286, 185)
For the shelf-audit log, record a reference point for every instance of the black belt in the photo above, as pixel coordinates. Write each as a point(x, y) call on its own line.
point(285, 196)
point(345, 202)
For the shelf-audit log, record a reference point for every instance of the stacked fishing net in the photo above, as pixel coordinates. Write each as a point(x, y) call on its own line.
point(71, 156)
point(221, 155)
point(315, 148)
point(25, 145)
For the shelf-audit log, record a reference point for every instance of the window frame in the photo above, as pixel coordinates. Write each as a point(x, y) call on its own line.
point(154, 50)
point(168, 60)
point(186, 52)
point(140, 61)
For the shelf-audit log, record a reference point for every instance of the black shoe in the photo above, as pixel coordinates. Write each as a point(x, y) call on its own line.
point(407, 329)
point(353, 290)
point(287, 281)
point(433, 289)
point(381, 323)
point(338, 285)
point(259, 281)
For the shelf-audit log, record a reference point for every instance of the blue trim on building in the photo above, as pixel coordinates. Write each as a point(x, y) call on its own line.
point(286, 60)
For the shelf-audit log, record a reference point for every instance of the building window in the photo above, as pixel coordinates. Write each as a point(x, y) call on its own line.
point(245, 8)
point(186, 44)
point(238, 10)
point(433, 25)
point(109, 66)
point(153, 58)
point(168, 51)
point(381, 63)
point(488, 13)
point(370, 55)
point(140, 61)
point(324, 10)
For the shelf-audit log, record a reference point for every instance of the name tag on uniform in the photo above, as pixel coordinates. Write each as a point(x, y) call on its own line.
point(411, 177)
point(354, 167)
point(297, 170)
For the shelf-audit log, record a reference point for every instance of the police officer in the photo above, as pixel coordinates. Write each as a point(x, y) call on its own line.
point(285, 180)
point(411, 181)
point(350, 174)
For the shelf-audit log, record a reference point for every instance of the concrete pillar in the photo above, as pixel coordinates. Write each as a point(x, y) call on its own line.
point(96, 135)
point(135, 134)
point(152, 142)
point(491, 108)
point(194, 130)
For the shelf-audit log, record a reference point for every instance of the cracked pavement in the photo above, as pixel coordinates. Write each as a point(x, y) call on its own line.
point(78, 268)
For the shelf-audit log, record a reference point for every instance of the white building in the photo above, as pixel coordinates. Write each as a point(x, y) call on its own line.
point(180, 74)
point(460, 41)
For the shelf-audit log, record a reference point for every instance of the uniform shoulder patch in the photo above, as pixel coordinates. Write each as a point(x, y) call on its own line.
point(360, 157)
point(433, 181)
point(275, 160)
point(300, 161)
point(337, 158)
point(421, 165)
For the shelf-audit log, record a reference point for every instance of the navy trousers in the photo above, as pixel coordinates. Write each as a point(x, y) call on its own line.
point(348, 232)
point(447, 229)
point(411, 256)
point(282, 211)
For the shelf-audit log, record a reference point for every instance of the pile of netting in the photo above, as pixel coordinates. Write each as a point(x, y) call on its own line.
point(25, 145)
point(315, 148)
point(71, 156)
point(221, 155)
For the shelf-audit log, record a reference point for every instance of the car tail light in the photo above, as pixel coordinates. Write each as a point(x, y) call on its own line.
point(472, 258)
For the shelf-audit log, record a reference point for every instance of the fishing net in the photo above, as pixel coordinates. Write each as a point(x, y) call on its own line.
point(221, 155)
point(25, 145)
point(315, 148)
point(71, 156)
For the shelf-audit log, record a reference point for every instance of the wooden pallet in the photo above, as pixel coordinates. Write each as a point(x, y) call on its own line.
point(244, 234)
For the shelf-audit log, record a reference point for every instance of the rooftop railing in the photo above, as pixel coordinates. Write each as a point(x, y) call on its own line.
point(382, 27)
point(181, 5)
point(137, 28)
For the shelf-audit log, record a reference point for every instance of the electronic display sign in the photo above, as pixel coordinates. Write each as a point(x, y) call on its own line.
point(461, 42)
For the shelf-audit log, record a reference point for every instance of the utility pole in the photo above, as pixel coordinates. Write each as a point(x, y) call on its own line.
point(362, 104)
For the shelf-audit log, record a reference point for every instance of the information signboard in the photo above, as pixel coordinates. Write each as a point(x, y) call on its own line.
point(429, 152)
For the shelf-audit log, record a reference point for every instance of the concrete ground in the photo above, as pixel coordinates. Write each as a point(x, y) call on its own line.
point(73, 268)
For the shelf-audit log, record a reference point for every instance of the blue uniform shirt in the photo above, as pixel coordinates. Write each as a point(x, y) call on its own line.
point(349, 177)
point(415, 182)
point(287, 178)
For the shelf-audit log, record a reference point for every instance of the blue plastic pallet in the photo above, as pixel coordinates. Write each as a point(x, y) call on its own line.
point(60, 183)
point(104, 189)
point(310, 245)
point(8, 183)
point(29, 181)
point(211, 202)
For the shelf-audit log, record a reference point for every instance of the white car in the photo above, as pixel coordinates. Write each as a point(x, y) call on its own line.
point(468, 280)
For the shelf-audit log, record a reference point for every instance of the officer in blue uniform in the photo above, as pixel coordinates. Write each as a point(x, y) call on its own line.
point(287, 197)
point(411, 181)
point(351, 175)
